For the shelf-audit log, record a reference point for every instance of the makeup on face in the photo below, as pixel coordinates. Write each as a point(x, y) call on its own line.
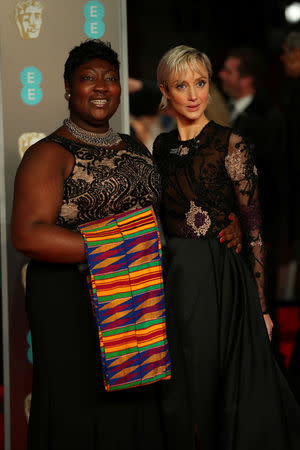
point(95, 95)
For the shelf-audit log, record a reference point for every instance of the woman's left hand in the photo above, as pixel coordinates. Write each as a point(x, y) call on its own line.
point(232, 234)
point(269, 325)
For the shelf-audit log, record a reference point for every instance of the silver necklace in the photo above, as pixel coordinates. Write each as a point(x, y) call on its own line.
point(88, 137)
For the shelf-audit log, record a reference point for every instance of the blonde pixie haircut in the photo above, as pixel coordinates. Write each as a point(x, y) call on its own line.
point(177, 60)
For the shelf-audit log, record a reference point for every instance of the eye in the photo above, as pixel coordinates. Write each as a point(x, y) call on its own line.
point(201, 83)
point(180, 86)
point(87, 77)
point(112, 78)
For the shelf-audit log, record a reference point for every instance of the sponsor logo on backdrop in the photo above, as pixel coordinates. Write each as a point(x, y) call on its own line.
point(29, 351)
point(25, 141)
point(28, 17)
point(31, 79)
point(27, 403)
point(94, 12)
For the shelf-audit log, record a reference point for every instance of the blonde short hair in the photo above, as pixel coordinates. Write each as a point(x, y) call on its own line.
point(176, 60)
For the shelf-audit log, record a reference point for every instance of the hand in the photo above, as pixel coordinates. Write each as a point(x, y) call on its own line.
point(269, 325)
point(134, 85)
point(232, 233)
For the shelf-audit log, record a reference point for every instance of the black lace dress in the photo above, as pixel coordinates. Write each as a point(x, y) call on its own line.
point(70, 409)
point(226, 392)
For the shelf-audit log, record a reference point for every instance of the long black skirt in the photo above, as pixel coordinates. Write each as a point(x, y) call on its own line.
point(70, 409)
point(227, 392)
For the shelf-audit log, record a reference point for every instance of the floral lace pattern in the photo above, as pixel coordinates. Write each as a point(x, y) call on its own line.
point(198, 219)
point(217, 176)
point(106, 181)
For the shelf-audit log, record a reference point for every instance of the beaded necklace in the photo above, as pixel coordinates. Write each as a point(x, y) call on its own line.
point(88, 137)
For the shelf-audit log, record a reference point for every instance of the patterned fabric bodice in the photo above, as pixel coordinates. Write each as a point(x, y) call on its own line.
point(106, 180)
point(203, 180)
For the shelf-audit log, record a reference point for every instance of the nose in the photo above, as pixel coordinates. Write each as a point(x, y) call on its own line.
point(100, 85)
point(192, 93)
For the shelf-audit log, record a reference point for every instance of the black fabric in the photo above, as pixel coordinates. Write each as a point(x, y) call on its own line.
point(203, 180)
point(106, 180)
point(226, 387)
point(226, 392)
point(70, 409)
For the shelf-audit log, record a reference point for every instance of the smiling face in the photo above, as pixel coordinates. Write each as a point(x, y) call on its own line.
point(95, 95)
point(188, 93)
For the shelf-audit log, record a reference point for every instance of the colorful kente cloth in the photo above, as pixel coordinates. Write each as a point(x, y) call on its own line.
point(125, 262)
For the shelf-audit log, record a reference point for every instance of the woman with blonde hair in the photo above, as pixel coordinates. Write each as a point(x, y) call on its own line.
point(227, 392)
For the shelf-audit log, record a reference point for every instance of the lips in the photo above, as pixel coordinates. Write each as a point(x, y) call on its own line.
point(193, 107)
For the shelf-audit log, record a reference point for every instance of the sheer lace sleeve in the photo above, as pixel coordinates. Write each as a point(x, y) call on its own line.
point(243, 173)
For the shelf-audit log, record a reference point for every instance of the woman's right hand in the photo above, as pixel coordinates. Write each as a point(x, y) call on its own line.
point(269, 325)
point(38, 198)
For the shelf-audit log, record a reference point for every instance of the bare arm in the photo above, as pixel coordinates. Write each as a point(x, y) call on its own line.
point(37, 201)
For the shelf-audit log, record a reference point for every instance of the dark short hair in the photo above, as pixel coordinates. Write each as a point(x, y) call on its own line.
point(251, 63)
point(87, 50)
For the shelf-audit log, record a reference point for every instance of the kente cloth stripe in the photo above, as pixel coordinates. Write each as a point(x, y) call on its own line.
point(125, 261)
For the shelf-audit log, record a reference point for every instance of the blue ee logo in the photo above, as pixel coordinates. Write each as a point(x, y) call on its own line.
point(29, 351)
point(31, 79)
point(94, 12)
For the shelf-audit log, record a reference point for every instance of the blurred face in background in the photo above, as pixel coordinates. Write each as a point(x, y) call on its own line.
point(230, 77)
point(290, 59)
point(188, 93)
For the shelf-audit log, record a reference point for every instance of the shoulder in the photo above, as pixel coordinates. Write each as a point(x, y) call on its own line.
point(218, 129)
point(164, 140)
point(135, 144)
point(218, 135)
point(45, 154)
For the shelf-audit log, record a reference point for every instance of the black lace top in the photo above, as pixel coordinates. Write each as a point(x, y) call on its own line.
point(106, 180)
point(203, 180)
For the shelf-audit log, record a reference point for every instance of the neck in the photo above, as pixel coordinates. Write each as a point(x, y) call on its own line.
point(101, 128)
point(189, 129)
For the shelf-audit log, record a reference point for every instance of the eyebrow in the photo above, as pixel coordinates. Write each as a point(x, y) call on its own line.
point(182, 80)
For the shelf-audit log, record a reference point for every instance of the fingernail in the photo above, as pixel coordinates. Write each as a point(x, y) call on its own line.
point(222, 240)
point(230, 217)
point(221, 233)
point(237, 250)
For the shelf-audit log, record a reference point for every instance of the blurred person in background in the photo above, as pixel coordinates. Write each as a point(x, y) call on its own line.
point(145, 119)
point(262, 125)
point(290, 102)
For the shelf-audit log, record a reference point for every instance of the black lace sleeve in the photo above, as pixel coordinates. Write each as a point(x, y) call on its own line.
point(243, 173)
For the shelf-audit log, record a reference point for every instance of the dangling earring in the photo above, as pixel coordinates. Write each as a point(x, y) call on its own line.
point(67, 95)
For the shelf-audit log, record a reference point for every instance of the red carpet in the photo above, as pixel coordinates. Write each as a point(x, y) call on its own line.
point(288, 319)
